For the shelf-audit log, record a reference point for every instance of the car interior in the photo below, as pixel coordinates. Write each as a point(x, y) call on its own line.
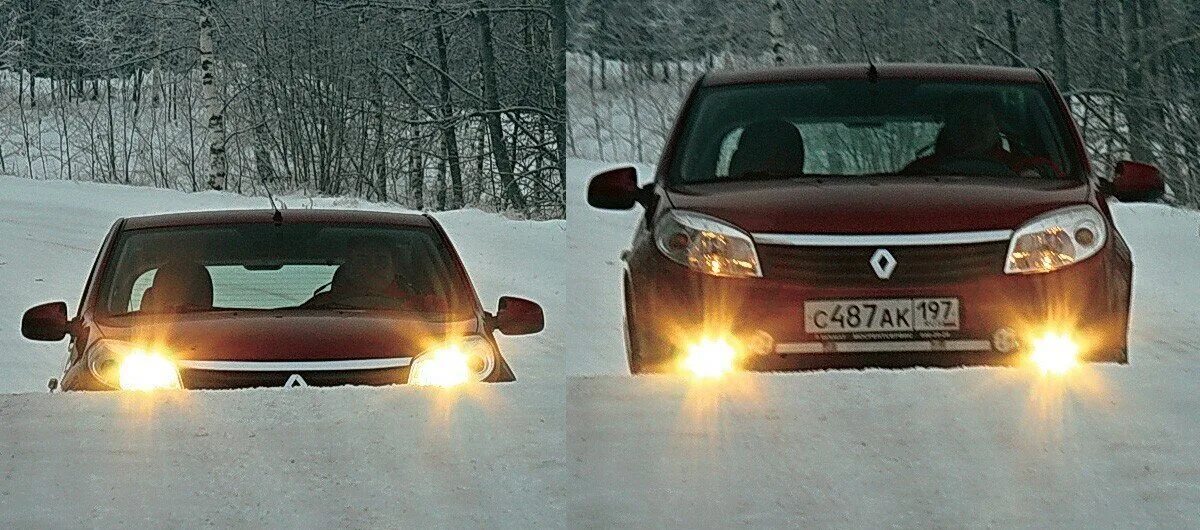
point(814, 130)
point(219, 268)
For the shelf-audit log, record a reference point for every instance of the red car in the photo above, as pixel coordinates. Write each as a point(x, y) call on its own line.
point(230, 299)
point(863, 215)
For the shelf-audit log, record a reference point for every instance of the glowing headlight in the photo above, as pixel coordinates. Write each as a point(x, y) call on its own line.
point(148, 371)
point(706, 244)
point(460, 361)
point(126, 366)
point(1055, 353)
point(710, 358)
point(1056, 239)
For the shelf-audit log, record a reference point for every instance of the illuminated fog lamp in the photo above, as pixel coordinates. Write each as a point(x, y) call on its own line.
point(1054, 353)
point(145, 370)
point(709, 358)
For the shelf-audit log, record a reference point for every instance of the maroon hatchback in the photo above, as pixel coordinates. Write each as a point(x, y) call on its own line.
point(231, 299)
point(861, 215)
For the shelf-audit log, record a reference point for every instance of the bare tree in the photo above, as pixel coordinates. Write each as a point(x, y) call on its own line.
point(487, 71)
point(1127, 67)
point(305, 96)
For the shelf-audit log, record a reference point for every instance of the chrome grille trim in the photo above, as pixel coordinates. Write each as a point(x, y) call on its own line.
point(295, 366)
point(882, 240)
point(918, 265)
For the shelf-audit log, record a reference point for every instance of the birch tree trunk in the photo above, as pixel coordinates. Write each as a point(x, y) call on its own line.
point(559, 53)
point(217, 167)
point(775, 27)
point(416, 161)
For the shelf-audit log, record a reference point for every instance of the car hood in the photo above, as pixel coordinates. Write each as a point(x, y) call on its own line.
point(879, 205)
point(323, 336)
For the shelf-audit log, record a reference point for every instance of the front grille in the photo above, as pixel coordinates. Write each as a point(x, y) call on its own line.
point(223, 379)
point(851, 266)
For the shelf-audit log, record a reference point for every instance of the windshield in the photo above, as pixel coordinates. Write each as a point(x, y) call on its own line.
point(287, 267)
point(855, 128)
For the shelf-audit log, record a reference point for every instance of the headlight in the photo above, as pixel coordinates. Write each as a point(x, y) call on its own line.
point(1054, 240)
point(463, 360)
point(127, 366)
point(706, 244)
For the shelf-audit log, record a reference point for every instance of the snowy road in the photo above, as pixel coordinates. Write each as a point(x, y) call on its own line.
point(1111, 446)
point(313, 458)
point(356, 457)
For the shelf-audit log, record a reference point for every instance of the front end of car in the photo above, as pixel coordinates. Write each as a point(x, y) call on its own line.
point(706, 297)
point(249, 352)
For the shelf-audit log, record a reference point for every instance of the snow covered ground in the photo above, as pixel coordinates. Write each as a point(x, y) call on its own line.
point(315, 458)
point(1111, 446)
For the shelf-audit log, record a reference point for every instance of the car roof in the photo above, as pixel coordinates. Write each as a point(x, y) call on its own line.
point(852, 71)
point(215, 217)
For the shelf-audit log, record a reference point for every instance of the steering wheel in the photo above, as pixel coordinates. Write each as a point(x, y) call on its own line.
point(975, 167)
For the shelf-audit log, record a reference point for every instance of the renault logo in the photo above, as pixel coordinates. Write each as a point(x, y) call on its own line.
point(884, 263)
point(295, 380)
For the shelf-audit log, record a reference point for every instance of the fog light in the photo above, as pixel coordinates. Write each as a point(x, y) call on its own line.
point(759, 343)
point(1004, 340)
point(1055, 353)
point(710, 358)
point(147, 371)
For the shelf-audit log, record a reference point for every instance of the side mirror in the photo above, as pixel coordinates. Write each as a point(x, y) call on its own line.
point(1137, 182)
point(45, 322)
point(615, 189)
point(518, 316)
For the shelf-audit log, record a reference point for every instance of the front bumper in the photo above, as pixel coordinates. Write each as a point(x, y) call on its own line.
point(673, 305)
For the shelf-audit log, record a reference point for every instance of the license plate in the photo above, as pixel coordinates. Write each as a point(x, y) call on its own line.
point(890, 314)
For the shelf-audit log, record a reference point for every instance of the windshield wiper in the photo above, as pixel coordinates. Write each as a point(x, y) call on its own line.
point(178, 309)
point(767, 175)
point(330, 305)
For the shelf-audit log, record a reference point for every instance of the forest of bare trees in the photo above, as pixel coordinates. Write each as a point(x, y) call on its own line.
point(432, 104)
point(1130, 68)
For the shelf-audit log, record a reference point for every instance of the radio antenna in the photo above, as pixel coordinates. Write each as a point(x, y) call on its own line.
point(277, 217)
point(872, 71)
